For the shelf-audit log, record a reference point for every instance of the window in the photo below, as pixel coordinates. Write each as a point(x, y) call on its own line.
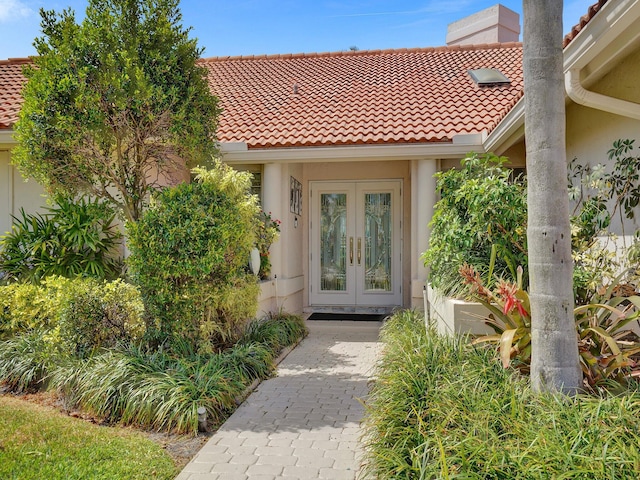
point(488, 77)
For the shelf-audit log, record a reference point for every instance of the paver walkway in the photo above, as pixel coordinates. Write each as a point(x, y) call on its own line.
point(304, 423)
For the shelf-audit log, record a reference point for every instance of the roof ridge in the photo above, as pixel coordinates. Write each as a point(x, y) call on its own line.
point(357, 53)
point(17, 61)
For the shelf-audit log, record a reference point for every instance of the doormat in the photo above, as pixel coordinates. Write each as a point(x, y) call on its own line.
point(352, 317)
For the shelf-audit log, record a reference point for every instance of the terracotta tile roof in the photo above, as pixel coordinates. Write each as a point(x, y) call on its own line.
point(586, 18)
point(11, 82)
point(365, 97)
point(369, 97)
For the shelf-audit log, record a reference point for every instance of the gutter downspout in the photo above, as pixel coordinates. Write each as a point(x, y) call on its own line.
point(580, 95)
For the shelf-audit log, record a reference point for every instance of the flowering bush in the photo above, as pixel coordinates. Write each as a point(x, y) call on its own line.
point(268, 231)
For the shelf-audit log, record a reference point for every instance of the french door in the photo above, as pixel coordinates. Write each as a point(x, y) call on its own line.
point(355, 241)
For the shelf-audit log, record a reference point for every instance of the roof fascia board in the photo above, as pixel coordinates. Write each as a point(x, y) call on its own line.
point(606, 26)
point(6, 137)
point(508, 131)
point(601, 31)
point(352, 153)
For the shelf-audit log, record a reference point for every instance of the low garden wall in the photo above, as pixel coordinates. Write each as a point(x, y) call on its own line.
point(454, 316)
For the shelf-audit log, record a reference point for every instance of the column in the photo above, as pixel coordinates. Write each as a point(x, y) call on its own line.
point(423, 199)
point(272, 201)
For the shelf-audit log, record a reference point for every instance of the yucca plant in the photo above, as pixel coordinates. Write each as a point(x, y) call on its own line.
point(76, 237)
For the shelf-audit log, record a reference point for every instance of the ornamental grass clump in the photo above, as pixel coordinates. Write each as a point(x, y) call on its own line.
point(442, 409)
point(154, 389)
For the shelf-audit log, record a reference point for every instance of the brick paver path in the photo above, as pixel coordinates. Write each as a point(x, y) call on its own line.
point(305, 422)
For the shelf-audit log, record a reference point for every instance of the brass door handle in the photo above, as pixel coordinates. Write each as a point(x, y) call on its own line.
point(359, 250)
point(351, 250)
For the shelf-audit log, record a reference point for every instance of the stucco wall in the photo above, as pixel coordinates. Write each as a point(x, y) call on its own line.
point(16, 193)
point(591, 132)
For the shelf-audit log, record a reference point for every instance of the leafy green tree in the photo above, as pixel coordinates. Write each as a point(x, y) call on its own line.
point(482, 209)
point(112, 104)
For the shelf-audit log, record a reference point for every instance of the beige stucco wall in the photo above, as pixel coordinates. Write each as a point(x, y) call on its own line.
point(16, 192)
point(591, 132)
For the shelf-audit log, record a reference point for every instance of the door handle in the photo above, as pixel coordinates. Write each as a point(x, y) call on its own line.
point(359, 250)
point(351, 250)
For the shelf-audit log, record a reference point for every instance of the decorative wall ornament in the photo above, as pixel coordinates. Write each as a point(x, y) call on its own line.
point(295, 196)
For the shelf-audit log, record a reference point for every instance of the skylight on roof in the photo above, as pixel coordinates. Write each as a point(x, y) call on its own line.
point(488, 77)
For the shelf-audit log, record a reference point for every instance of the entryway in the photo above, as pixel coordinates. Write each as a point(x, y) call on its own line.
point(355, 243)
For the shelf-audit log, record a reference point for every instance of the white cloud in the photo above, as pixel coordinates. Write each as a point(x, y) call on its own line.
point(11, 10)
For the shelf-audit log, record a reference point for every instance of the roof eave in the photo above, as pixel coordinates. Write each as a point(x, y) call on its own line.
point(609, 27)
point(354, 153)
point(6, 137)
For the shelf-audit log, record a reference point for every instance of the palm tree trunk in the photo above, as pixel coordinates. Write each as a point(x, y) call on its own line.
point(554, 360)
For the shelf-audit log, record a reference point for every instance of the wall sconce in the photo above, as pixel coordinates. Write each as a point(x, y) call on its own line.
point(295, 222)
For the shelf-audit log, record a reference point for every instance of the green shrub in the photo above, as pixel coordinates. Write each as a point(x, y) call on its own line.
point(151, 389)
point(189, 253)
point(440, 408)
point(481, 207)
point(75, 238)
point(81, 313)
point(163, 389)
point(156, 391)
point(603, 193)
point(100, 315)
point(25, 307)
point(277, 331)
point(26, 360)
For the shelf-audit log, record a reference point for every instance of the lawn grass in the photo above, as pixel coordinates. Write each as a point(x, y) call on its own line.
point(442, 409)
point(38, 442)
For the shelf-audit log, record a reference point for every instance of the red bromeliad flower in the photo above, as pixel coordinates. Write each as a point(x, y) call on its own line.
point(472, 278)
point(507, 291)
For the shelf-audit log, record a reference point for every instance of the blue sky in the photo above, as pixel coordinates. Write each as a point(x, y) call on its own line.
point(256, 27)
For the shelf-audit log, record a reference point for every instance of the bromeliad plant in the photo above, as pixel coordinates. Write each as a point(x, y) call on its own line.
point(510, 316)
point(606, 345)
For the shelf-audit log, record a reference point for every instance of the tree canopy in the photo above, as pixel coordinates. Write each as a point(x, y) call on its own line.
point(114, 106)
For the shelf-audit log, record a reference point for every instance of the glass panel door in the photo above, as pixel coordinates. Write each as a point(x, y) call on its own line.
point(333, 242)
point(377, 242)
point(355, 243)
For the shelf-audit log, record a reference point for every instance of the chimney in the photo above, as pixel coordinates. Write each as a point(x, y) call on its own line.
point(495, 24)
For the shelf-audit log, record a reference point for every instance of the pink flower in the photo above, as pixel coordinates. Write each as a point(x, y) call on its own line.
point(507, 291)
